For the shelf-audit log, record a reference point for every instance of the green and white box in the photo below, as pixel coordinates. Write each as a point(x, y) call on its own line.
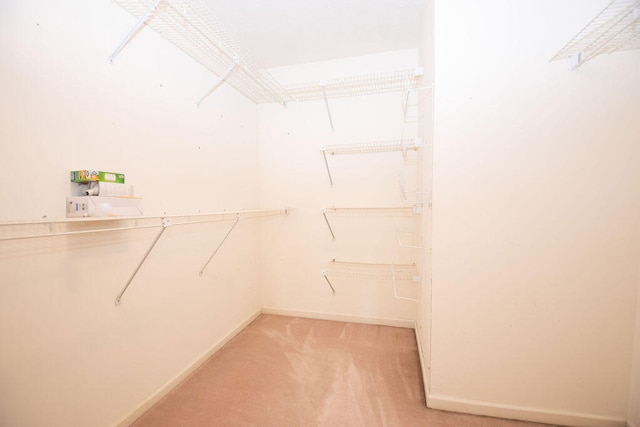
point(90, 175)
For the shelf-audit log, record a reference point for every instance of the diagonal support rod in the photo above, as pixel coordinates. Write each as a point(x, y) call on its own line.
point(326, 164)
point(324, 213)
point(220, 245)
point(222, 79)
point(323, 84)
point(165, 223)
point(134, 30)
point(325, 275)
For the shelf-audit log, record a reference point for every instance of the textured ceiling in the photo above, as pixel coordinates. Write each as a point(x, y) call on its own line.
point(286, 32)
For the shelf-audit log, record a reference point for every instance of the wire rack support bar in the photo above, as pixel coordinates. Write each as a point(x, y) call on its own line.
point(325, 275)
point(324, 213)
point(220, 245)
point(326, 165)
point(134, 30)
point(323, 85)
point(395, 288)
point(165, 224)
point(220, 81)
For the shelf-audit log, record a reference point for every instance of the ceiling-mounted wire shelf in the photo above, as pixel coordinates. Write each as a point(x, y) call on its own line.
point(614, 29)
point(199, 33)
point(372, 271)
point(366, 84)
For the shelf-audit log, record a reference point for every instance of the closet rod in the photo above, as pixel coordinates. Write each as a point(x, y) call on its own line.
point(176, 221)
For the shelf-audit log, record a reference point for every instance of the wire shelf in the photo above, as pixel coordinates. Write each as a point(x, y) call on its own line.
point(191, 27)
point(372, 271)
point(616, 28)
point(391, 211)
point(21, 230)
point(366, 84)
point(373, 147)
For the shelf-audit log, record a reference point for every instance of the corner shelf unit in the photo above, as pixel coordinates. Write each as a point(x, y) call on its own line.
point(614, 29)
point(23, 230)
point(372, 271)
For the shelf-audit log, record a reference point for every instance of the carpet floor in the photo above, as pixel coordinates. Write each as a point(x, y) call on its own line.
point(287, 371)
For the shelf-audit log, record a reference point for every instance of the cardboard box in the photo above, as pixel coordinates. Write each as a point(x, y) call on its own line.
point(96, 175)
point(99, 206)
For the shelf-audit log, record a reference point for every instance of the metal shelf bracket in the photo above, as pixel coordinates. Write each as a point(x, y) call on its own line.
point(325, 274)
point(221, 80)
point(220, 245)
point(165, 223)
point(134, 31)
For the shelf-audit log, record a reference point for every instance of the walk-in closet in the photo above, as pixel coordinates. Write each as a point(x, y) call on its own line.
point(318, 212)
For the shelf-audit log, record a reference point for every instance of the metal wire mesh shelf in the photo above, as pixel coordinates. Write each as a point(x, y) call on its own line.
point(616, 28)
point(381, 211)
point(74, 227)
point(402, 145)
point(373, 147)
point(366, 84)
point(194, 29)
point(372, 271)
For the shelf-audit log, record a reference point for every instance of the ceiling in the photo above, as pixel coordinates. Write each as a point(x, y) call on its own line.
point(287, 32)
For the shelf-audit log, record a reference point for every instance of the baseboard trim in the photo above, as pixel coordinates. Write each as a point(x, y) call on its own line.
point(423, 364)
point(400, 323)
point(170, 385)
point(449, 403)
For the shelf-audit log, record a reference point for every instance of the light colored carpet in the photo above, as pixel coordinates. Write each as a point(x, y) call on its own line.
point(287, 371)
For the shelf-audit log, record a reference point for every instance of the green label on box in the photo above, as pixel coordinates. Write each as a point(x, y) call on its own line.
point(95, 175)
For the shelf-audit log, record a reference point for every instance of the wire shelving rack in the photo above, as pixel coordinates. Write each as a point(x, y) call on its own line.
point(191, 27)
point(372, 271)
point(614, 29)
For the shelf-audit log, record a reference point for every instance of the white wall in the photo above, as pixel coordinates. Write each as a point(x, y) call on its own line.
point(634, 394)
point(68, 355)
point(425, 105)
point(536, 202)
point(292, 170)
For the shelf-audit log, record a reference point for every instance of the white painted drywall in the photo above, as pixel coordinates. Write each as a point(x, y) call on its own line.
point(424, 101)
point(536, 203)
point(292, 169)
point(68, 355)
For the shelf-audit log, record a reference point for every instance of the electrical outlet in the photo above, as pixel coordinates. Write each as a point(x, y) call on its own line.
point(77, 207)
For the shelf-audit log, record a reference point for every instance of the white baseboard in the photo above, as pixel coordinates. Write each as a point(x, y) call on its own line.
point(165, 389)
point(423, 363)
point(400, 323)
point(449, 403)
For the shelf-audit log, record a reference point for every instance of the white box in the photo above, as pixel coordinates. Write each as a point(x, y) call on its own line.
point(99, 206)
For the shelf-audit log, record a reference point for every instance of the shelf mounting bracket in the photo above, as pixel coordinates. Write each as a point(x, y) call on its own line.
point(325, 275)
point(220, 245)
point(165, 223)
point(323, 85)
point(324, 213)
point(134, 31)
point(326, 164)
point(221, 80)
